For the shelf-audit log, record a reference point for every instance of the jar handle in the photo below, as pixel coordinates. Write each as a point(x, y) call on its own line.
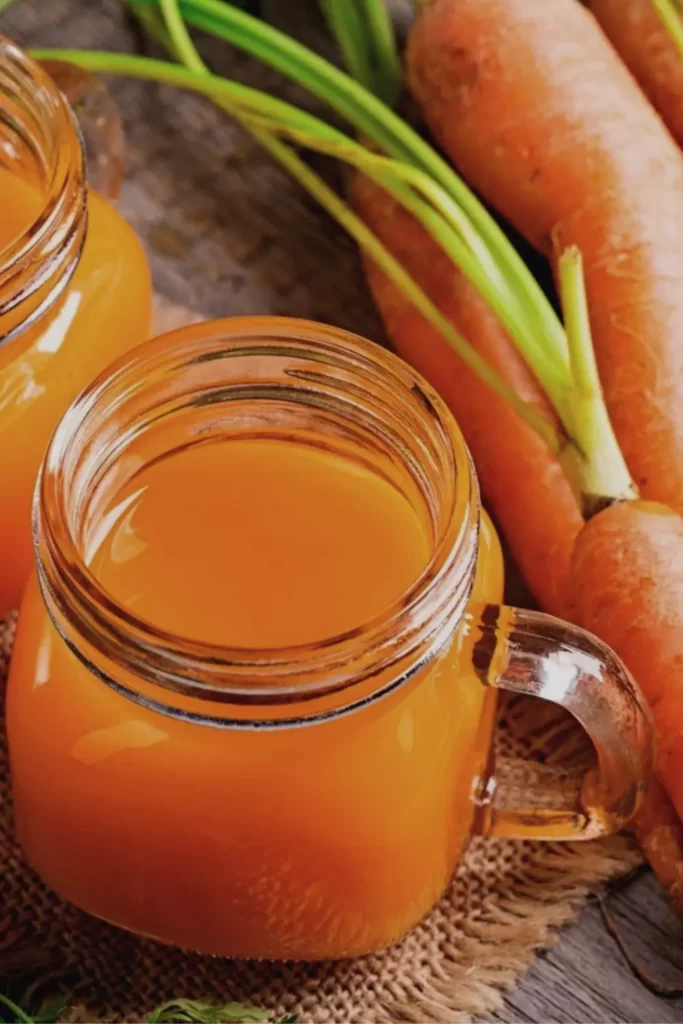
point(530, 653)
point(99, 121)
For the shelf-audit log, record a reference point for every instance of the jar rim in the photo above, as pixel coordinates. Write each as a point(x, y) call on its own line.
point(37, 265)
point(401, 637)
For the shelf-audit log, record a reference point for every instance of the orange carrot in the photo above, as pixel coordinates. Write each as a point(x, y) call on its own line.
point(641, 40)
point(660, 834)
point(521, 480)
point(626, 585)
point(536, 109)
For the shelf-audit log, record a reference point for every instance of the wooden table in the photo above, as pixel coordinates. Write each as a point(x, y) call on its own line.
point(227, 233)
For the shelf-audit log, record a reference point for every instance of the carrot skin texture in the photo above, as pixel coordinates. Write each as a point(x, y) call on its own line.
point(521, 480)
point(626, 582)
point(537, 111)
point(660, 834)
point(641, 40)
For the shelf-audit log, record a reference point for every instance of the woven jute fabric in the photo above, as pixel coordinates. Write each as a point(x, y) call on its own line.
point(506, 901)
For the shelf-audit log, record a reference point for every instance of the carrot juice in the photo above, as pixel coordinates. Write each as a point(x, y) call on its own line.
point(74, 292)
point(304, 789)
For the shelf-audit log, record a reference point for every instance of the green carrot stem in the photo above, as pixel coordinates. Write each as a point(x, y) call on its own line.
point(444, 222)
point(358, 230)
point(364, 33)
point(477, 267)
point(484, 274)
point(231, 98)
point(180, 37)
point(589, 451)
point(347, 28)
point(16, 1010)
point(388, 64)
point(195, 1012)
point(670, 14)
point(369, 242)
point(595, 458)
point(376, 121)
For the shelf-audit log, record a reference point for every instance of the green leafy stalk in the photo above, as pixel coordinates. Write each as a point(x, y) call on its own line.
point(179, 37)
point(387, 61)
point(669, 12)
point(589, 451)
point(595, 457)
point(346, 26)
point(189, 1011)
point(177, 1011)
point(182, 46)
point(19, 1014)
point(374, 120)
point(179, 41)
point(262, 114)
point(479, 267)
point(369, 242)
point(593, 451)
point(441, 219)
point(49, 1011)
point(365, 36)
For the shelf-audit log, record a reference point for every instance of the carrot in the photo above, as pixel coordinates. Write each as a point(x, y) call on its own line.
point(521, 480)
point(638, 35)
point(626, 585)
point(660, 834)
point(533, 105)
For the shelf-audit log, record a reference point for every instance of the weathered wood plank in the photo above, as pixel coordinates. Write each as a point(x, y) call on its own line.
point(585, 978)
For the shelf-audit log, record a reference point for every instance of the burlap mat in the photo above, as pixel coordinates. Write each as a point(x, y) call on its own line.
point(506, 901)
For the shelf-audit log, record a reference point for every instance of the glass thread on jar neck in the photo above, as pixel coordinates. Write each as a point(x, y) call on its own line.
point(250, 376)
point(40, 141)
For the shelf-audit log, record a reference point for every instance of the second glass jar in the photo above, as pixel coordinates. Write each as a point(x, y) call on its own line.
point(75, 289)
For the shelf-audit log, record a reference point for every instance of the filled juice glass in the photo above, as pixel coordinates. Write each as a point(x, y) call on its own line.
point(253, 689)
point(74, 283)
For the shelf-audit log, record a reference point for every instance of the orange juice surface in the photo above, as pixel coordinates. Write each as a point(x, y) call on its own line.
point(104, 311)
point(266, 544)
point(324, 840)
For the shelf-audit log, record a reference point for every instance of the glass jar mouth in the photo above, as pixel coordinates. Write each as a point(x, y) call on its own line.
point(39, 134)
point(247, 363)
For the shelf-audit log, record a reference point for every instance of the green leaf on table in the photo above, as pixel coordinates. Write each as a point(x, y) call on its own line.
point(49, 1012)
point(189, 1010)
point(12, 1012)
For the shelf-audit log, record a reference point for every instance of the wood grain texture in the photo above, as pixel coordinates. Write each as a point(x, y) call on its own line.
point(227, 233)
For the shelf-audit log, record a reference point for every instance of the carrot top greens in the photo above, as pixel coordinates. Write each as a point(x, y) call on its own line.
point(178, 1011)
point(670, 13)
point(365, 37)
point(400, 161)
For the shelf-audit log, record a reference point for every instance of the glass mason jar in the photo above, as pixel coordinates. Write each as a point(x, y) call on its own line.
point(74, 283)
point(298, 802)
